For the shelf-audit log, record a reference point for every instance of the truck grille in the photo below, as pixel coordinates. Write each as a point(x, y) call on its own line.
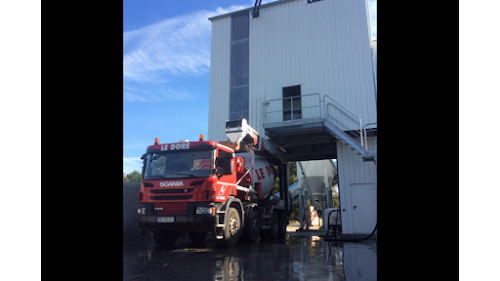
point(172, 197)
point(172, 208)
point(180, 190)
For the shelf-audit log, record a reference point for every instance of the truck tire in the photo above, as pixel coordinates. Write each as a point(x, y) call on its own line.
point(197, 237)
point(165, 237)
point(275, 225)
point(283, 223)
point(232, 228)
point(251, 230)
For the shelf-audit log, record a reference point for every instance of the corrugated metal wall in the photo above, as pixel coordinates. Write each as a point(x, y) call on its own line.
point(352, 170)
point(218, 110)
point(323, 46)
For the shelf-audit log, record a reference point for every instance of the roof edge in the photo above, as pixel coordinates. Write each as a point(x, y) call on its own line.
point(249, 9)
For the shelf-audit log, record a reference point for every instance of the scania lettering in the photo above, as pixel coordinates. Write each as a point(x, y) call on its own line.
point(222, 188)
point(171, 183)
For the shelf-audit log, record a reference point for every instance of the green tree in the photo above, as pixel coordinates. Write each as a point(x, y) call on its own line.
point(335, 197)
point(292, 177)
point(134, 176)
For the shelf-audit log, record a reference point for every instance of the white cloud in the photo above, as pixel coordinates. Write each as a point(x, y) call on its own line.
point(177, 46)
point(155, 92)
point(131, 164)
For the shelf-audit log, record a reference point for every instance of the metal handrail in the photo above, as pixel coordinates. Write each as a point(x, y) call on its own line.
point(364, 129)
point(354, 117)
point(267, 102)
point(329, 113)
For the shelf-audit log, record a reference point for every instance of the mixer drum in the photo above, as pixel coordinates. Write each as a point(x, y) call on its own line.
point(263, 172)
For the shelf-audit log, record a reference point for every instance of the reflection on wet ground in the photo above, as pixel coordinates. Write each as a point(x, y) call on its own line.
point(294, 258)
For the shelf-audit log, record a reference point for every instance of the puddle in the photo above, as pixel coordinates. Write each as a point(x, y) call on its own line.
point(295, 258)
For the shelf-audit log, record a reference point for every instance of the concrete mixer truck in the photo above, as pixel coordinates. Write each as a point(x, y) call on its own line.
point(218, 187)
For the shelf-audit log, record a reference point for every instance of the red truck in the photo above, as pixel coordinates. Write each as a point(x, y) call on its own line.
point(206, 186)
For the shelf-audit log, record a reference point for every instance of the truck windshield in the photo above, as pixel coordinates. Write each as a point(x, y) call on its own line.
point(186, 164)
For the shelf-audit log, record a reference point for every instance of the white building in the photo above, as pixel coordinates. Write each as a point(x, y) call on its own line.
point(301, 72)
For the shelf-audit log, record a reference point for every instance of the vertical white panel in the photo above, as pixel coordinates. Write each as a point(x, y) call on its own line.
point(219, 79)
point(351, 171)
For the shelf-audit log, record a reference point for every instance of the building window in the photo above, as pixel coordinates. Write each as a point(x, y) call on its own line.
point(292, 103)
point(239, 68)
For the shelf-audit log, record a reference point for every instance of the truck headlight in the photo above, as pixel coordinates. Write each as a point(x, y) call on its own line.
point(205, 210)
point(141, 211)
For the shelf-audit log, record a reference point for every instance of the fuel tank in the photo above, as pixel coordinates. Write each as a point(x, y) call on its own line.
point(263, 172)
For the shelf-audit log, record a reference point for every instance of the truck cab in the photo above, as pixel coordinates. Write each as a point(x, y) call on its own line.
point(185, 186)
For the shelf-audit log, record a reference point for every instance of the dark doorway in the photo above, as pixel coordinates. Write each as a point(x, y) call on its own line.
point(292, 103)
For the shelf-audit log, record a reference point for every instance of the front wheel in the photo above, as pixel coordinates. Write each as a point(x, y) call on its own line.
point(232, 228)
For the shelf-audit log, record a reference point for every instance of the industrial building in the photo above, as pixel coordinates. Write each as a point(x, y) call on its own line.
point(303, 73)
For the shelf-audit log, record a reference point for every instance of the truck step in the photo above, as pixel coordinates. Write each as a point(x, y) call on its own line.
point(266, 216)
point(265, 227)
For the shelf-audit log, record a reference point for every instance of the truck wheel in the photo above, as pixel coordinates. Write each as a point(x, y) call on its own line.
point(283, 223)
point(232, 228)
point(197, 237)
point(275, 225)
point(251, 231)
point(165, 237)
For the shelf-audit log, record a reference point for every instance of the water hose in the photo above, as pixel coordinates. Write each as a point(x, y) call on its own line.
point(327, 238)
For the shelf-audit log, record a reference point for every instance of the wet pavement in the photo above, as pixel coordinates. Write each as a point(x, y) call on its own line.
point(294, 258)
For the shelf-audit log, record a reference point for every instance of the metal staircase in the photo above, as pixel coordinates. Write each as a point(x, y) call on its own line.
point(348, 128)
point(307, 136)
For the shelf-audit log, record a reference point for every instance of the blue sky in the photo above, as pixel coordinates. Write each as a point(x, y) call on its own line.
point(166, 70)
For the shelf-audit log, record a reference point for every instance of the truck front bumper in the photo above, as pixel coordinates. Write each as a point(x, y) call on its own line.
point(186, 223)
point(182, 222)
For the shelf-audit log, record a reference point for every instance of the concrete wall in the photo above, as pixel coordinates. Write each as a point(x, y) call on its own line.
point(130, 204)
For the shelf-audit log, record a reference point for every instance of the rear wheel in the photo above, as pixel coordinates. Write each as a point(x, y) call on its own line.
point(282, 226)
point(251, 231)
point(275, 225)
point(165, 237)
point(232, 228)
